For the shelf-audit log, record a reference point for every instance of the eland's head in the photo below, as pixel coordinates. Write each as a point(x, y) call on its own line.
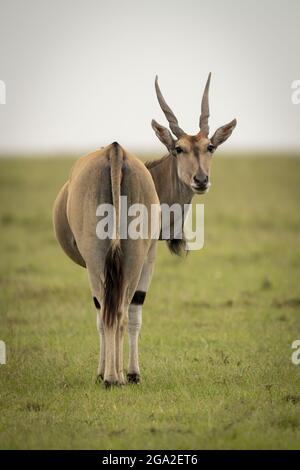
point(193, 152)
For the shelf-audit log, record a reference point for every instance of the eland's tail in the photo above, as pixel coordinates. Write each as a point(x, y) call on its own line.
point(113, 270)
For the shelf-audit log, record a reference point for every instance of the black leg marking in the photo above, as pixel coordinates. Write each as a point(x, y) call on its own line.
point(97, 305)
point(138, 298)
point(133, 378)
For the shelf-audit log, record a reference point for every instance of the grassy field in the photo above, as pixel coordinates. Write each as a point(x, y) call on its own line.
point(217, 326)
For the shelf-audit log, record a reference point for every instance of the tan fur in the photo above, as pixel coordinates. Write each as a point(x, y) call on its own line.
point(96, 179)
point(186, 172)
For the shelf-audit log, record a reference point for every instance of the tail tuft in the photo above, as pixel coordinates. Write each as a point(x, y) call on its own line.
point(177, 246)
point(113, 284)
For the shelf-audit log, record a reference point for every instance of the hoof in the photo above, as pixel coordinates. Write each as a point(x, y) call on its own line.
point(133, 378)
point(108, 384)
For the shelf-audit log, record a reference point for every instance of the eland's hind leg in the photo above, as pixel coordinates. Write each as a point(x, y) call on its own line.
point(97, 288)
point(100, 328)
point(110, 373)
point(122, 324)
point(111, 351)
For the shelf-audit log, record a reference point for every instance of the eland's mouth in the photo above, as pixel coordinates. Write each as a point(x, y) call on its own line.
point(200, 189)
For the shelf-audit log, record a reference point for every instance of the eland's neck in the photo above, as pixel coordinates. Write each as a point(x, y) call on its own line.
point(170, 189)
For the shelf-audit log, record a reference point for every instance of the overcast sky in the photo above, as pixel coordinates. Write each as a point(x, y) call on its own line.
point(79, 74)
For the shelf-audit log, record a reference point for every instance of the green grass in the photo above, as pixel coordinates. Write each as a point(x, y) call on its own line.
point(217, 328)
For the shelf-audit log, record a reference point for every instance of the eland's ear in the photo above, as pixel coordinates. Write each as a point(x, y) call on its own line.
point(223, 133)
point(164, 135)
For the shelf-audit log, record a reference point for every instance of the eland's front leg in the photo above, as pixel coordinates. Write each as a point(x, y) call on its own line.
point(134, 328)
point(135, 316)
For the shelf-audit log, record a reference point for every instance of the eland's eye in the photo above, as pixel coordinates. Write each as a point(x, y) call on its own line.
point(210, 148)
point(179, 150)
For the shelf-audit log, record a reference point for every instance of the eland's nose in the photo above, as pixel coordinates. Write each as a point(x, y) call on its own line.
point(201, 181)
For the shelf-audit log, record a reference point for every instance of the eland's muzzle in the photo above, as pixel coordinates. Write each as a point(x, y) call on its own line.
point(200, 183)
